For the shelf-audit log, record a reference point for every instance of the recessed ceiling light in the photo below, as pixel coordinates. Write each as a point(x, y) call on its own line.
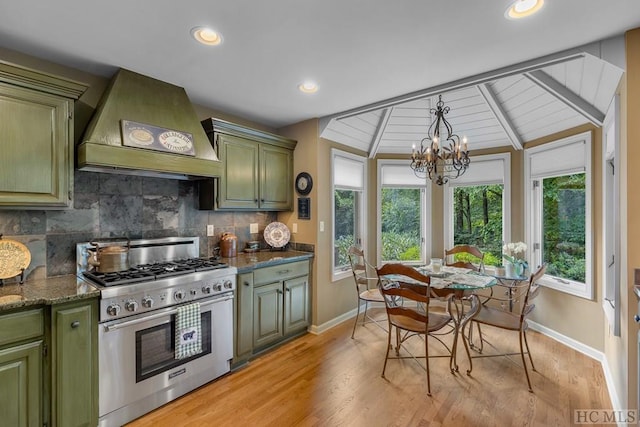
point(308, 87)
point(206, 36)
point(523, 8)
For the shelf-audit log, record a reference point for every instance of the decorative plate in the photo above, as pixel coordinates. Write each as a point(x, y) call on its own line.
point(277, 234)
point(14, 257)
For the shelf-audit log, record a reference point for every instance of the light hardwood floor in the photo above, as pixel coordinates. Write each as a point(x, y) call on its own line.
point(333, 380)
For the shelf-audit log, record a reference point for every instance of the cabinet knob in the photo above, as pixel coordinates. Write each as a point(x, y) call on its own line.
point(287, 289)
point(279, 291)
point(75, 324)
point(637, 318)
point(247, 284)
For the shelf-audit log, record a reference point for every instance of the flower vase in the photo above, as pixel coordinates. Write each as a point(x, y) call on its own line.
point(509, 270)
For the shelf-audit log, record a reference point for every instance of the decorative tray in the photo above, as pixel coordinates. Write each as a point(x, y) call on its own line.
point(277, 234)
point(14, 258)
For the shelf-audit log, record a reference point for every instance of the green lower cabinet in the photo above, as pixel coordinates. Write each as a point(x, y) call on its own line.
point(267, 314)
point(244, 317)
point(74, 399)
point(21, 385)
point(296, 305)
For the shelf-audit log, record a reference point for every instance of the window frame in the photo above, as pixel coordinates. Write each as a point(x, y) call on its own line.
point(449, 228)
point(611, 299)
point(533, 213)
point(425, 212)
point(359, 229)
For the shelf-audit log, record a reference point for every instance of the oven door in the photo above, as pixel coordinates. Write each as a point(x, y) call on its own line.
point(138, 369)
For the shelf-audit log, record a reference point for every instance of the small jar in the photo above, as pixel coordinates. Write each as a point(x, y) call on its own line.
point(228, 245)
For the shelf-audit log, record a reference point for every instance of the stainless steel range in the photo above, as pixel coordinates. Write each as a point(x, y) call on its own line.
point(141, 362)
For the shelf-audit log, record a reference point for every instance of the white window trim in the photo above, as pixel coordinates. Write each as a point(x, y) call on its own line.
point(533, 223)
point(506, 197)
point(611, 218)
point(343, 274)
point(425, 215)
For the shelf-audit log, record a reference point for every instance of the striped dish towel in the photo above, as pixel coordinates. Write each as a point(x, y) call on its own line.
point(188, 329)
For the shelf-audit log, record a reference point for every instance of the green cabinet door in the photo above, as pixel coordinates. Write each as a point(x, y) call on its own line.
point(244, 317)
point(21, 385)
point(296, 304)
point(74, 364)
point(267, 314)
point(238, 187)
point(257, 172)
point(36, 136)
point(276, 178)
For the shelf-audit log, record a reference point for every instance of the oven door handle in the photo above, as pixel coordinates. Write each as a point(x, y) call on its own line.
point(125, 324)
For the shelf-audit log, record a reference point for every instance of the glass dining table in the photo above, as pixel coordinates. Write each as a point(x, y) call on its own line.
point(463, 283)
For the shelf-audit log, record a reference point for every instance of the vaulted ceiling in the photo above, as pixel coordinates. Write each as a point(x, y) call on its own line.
point(505, 107)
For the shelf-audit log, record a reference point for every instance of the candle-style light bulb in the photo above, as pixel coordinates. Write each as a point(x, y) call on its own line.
point(464, 142)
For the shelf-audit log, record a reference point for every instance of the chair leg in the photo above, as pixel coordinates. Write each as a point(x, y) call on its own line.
point(356, 321)
point(524, 363)
point(386, 356)
point(398, 342)
point(426, 352)
point(526, 343)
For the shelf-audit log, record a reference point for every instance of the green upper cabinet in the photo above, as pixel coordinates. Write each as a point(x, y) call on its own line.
point(257, 172)
point(36, 136)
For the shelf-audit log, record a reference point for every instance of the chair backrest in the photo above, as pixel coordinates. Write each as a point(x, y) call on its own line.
point(394, 290)
point(533, 289)
point(467, 249)
point(360, 267)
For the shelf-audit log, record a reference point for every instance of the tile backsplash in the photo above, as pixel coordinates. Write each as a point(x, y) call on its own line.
point(111, 205)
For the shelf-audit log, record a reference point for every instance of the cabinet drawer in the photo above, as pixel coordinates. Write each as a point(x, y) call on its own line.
point(21, 326)
point(280, 272)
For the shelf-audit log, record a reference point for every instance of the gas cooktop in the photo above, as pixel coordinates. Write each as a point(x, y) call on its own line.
point(154, 271)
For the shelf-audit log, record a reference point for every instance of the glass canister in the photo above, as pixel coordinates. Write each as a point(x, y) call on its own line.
point(228, 245)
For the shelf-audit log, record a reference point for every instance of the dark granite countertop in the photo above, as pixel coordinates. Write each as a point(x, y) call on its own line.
point(246, 262)
point(53, 290)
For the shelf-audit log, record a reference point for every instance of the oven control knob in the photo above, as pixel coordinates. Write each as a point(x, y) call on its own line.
point(131, 305)
point(206, 289)
point(217, 287)
point(179, 295)
point(147, 302)
point(228, 284)
point(193, 292)
point(113, 309)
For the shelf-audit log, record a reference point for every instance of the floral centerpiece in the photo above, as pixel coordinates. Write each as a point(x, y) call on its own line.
point(513, 253)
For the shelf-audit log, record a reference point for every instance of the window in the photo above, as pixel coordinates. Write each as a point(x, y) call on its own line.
point(477, 207)
point(404, 202)
point(348, 174)
point(558, 209)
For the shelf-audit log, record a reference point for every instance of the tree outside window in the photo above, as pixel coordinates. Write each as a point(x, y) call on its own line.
point(563, 226)
point(346, 215)
point(400, 212)
point(478, 221)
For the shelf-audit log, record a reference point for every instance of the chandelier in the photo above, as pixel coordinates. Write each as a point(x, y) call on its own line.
point(440, 157)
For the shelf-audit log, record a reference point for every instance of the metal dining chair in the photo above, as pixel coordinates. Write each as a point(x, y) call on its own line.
point(407, 306)
point(464, 249)
point(516, 322)
point(366, 286)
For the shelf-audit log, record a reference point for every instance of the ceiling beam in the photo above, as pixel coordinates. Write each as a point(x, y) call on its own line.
point(512, 70)
point(494, 104)
point(570, 99)
point(377, 137)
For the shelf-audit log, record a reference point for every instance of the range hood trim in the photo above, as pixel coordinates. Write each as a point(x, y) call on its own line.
point(139, 98)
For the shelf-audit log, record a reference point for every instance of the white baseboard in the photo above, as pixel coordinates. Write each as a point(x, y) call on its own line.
point(318, 329)
point(586, 350)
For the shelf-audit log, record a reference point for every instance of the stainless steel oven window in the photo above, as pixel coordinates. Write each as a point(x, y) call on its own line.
point(155, 347)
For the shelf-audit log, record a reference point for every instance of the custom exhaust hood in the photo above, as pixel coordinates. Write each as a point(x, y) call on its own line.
point(144, 126)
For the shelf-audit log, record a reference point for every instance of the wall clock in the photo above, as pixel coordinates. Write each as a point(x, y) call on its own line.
point(304, 183)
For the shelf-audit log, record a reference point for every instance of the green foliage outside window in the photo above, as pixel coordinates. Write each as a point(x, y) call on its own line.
point(477, 221)
point(563, 219)
point(400, 211)
point(346, 211)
